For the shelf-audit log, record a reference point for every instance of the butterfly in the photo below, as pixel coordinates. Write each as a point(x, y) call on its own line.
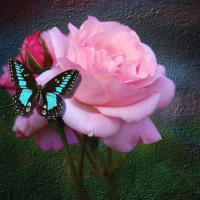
point(29, 93)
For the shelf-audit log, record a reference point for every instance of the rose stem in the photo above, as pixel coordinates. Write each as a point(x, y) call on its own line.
point(81, 159)
point(59, 128)
point(100, 174)
point(109, 150)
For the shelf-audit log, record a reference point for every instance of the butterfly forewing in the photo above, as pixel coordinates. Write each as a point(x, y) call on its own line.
point(61, 84)
point(22, 78)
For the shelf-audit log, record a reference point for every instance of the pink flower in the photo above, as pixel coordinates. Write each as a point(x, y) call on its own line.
point(5, 81)
point(122, 84)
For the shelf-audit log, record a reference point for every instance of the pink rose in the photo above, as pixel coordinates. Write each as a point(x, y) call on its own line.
point(122, 84)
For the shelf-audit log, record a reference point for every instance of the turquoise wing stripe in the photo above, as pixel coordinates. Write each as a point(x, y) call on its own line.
point(59, 89)
point(22, 83)
point(51, 101)
point(24, 96)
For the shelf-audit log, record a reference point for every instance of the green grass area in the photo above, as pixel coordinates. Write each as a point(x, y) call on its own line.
point(169, 169)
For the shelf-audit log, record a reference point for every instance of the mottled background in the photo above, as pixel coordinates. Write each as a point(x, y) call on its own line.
point(169, 169)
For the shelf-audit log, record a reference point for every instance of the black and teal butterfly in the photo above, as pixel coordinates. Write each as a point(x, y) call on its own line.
point(29, 92)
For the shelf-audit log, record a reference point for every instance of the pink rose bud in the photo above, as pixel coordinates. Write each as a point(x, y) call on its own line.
point(35, 54)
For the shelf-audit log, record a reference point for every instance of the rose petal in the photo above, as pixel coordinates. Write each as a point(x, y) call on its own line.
point(46, 35)
point(104, 90)
point(130, 135)
point(103, 62)
point(5, 81)
point(85, 119)
point(129, 72)
point(120, 94)
point(166, 88)
point(128, 43)
point(27, 126)
point(58, 41)
point(148, 63)
point(118, 58)
point(87, 81)
point(160, 70)
point(132, 113)
point(48, 139)
point(48, 75)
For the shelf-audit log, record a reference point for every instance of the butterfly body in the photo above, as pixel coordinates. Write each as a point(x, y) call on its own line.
point(29, 93)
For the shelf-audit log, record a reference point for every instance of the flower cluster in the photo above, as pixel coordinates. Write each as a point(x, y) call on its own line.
point(121, 86)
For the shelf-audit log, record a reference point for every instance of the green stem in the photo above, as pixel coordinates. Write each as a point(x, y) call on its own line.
point(58, 126)
point(86, 151)
point(109, 150)
point(100, 157)
point(111, 194)
point(82, 151)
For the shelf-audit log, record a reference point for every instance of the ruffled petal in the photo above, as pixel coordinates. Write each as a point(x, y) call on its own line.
point(132, 113)
point(128, 43)
point(166, 88)
point(59, 42)
point(86, 119)
point(104, 90)
point(160, 71)
point(90, 91)
point(103, 61)
point(130, 135)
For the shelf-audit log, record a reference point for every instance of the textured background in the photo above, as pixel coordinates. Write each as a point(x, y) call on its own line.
point(169, 169)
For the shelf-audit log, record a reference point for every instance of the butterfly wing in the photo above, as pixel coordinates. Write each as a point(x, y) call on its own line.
point(24, 101)
point(60, 85)
point(22, 78)
point(51, 107)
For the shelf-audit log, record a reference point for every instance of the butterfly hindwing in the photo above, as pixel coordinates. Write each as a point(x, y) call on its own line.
point(24, 101)
point(52, 105)
point(22, 78)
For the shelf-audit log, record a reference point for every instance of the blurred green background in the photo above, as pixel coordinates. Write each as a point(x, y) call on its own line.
point(169, 169)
